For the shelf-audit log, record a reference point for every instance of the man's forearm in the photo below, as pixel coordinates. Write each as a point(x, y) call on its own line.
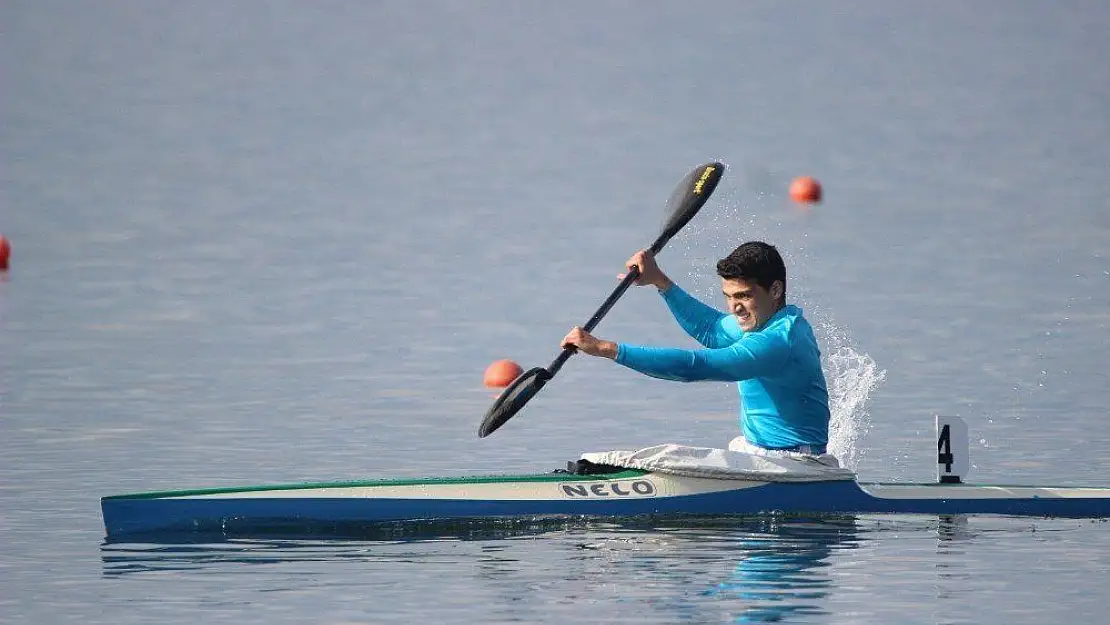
point(607, 349)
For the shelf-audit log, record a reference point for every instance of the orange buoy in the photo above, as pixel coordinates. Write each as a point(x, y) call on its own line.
point(5, 252)
point(806, 190)
point(501, 373)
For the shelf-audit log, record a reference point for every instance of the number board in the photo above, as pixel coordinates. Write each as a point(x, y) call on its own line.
point(952, 449)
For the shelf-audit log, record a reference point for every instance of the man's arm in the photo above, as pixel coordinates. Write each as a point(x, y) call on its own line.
point(705, 324)
point(702, 322)
point(752, 356)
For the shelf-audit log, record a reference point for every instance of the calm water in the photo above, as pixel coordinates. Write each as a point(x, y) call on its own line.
point(280, 243)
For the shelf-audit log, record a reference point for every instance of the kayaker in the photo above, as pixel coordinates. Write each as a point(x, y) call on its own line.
point(762, 343)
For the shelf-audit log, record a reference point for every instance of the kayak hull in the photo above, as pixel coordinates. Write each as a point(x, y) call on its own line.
point(312, 507)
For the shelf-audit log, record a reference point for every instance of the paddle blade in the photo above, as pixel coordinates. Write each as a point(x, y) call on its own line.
point(689, 196)
point(512, 399)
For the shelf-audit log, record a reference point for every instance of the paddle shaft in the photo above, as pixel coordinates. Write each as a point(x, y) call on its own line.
point(629, 278)
point(567, 352)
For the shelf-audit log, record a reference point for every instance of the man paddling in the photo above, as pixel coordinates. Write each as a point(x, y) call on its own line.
point(764, 345)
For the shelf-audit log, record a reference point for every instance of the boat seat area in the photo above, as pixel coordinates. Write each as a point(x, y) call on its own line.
point(585, 467)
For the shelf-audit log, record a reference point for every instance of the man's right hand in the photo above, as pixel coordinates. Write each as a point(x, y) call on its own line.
point(650, 273)
point(589, 344)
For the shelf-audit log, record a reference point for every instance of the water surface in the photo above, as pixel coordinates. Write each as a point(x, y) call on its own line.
point(272, 244)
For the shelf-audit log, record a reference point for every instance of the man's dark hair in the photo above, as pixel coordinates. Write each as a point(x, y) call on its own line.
point(754, 260)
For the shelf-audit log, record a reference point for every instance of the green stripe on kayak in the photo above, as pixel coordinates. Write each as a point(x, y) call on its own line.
point(426, 481)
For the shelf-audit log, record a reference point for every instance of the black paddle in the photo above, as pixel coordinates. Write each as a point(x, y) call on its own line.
point(688, 197)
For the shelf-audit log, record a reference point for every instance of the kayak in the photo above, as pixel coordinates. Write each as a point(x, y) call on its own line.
point(320, 507)
point(621, 486)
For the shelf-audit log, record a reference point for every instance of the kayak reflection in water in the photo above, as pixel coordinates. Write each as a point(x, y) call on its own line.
point(762, 343)
point(782, 571)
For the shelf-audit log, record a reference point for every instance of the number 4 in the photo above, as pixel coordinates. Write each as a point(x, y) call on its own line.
point(944, 448)
point(952, 449)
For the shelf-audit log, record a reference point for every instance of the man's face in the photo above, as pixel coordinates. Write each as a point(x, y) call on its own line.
point(752, 304)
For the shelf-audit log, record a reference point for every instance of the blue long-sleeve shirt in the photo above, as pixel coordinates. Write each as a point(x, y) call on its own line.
point(783, 398)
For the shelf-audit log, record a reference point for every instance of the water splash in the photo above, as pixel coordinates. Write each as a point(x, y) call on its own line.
point(851, 377)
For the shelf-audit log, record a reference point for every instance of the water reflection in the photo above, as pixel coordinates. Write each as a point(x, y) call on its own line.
point(756, 569)
point(764, 569)
point(781, 570)
point(952, 573)
point(194, 551)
